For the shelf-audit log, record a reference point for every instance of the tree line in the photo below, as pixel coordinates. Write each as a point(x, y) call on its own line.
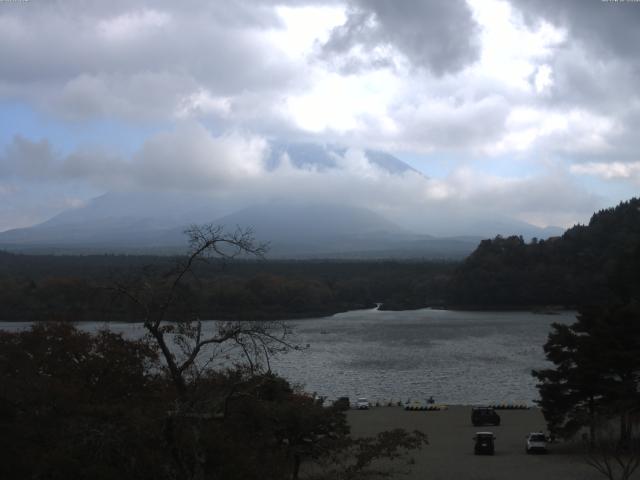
point(589, 264)
point(76, 288)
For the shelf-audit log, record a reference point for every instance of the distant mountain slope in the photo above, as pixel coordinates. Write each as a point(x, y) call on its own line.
point(162, 209)
point(339, 231)
point(293, 231)
point(280, 221)
point(134, 223)
point(148, 221)
point(588, 264)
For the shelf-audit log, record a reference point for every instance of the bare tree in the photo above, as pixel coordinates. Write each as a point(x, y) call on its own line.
point(614, 458)
point(187, 346)
point(156, 299)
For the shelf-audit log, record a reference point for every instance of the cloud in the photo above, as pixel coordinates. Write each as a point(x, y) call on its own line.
point(191, 158)
point(438, 36)
point(483, 84)
point(124, 27)
point(444, 124)
point(608, 171)
point(573, 131)
point(188, 157)
point(414, 75)
point(142, 61)
point(232, 169)
point(26, 159)
point(154, 95)
point(606, 28)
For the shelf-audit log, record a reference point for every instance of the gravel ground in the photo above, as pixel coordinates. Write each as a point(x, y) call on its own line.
point(449, 454)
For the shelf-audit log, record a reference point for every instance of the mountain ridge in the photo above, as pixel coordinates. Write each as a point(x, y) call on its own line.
point(135, 221)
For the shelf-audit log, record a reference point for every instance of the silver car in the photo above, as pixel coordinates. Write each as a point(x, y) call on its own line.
point(536, 443)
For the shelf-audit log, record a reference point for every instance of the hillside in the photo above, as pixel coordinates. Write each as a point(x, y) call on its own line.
point(586, 265)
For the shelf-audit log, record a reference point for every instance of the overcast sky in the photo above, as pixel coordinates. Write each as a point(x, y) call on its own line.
point(526, 108)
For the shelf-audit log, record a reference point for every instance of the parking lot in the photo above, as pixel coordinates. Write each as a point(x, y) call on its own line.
point(449, 454)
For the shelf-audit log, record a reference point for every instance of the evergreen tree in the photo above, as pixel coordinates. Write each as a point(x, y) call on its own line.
point(596, 373)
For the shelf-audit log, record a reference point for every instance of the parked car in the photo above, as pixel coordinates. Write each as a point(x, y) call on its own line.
point(484, 443)
point(484, 416)
point(362, 403)
point(536, 443)
point(342, 403)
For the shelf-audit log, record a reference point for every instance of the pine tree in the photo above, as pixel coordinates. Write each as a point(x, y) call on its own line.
point(597, 371)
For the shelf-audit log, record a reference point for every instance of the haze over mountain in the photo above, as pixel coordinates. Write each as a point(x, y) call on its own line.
point(294, 227)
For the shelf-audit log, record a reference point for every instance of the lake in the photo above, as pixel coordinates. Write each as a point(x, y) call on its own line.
point(458, 357)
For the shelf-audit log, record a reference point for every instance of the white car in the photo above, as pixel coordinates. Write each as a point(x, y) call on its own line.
point(362, 404)
point(536, 443)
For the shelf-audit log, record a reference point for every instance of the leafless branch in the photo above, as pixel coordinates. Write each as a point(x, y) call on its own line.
point(612, 458)
point(156, 299)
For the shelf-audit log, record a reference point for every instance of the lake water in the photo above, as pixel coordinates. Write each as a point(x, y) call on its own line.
point(457, 357)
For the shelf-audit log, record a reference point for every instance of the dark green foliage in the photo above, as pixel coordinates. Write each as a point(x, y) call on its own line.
point(78, 288)
point(596, 373)
point(588, 265)
point(77, 406)
point(74, 405)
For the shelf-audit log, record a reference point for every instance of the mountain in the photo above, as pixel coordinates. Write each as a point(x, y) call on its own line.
point(163, 209)
point(292, 231)
point(337, 231)
point(152, 221)
point(116, 220)
point(281, 220)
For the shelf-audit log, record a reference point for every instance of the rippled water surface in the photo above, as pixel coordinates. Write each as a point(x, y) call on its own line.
point(457, 357)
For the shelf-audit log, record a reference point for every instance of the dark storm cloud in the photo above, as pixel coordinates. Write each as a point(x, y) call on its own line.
point(438, 36)
point(608, 28)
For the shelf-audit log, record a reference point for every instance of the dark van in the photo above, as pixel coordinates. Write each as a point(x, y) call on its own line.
point(484, 416)
point(484, 443)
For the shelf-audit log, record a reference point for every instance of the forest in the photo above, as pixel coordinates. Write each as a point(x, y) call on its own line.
point(78, 288)
point(588, 265)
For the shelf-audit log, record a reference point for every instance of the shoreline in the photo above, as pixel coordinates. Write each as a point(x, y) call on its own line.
point(330, 312)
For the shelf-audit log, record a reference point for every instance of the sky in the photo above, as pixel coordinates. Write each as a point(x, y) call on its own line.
point(520, 108)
